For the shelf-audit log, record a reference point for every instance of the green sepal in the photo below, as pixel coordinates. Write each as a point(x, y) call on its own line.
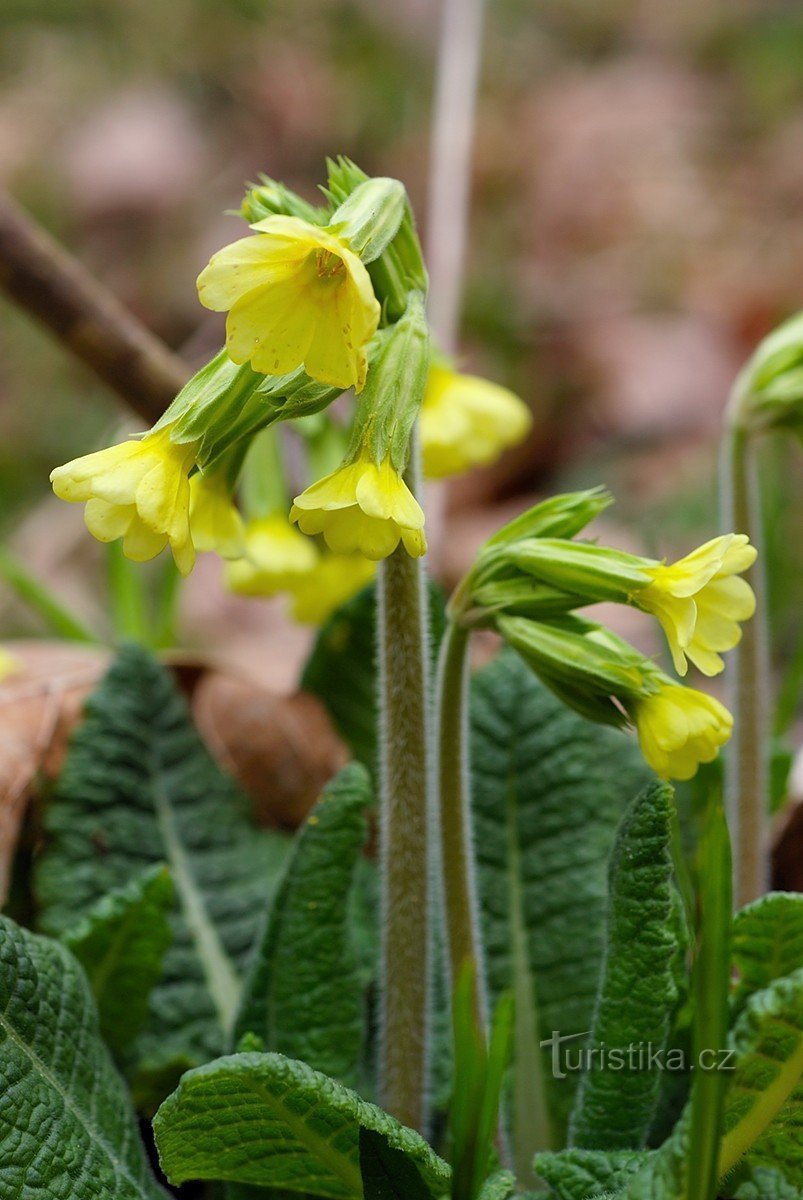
point(269, 198)
point(562, 516)
point(209, 402)
point(564, 652)
point(769, 390)
point(593, 572)
point(394, 390)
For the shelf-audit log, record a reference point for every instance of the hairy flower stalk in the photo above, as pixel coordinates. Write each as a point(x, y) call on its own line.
point(463, 937)
point(746, 766)
point(405, 789)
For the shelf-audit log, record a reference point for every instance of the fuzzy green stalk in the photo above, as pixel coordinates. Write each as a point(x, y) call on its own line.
point(403, 652)
point(457, 860)
point(747, 767)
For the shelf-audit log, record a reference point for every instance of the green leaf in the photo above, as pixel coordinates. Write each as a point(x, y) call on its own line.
point(763, 1114)
point(305, 995)
point(709, 992)
point(139, 789)
point(767, 941)
point(499, 1186)
point(478, 1075)
point(614, 1107)
point(341, 670)
point(581, 1174)
point(764, 1106)
point(274, 1122)
point(387, 1173)
point(67, 1129)
point(549, 790)
point(121, 945)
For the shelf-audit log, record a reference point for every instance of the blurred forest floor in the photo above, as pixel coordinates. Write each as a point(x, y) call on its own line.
point(637, 225)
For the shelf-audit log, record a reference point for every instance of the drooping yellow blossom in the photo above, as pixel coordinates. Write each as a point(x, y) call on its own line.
point(214, 520)
point(138, 491)
point(700, 601)
point(334, 580)
point(467, 422)
point(363, 508)
point(296, 295)
point(679, 728)
point(276, 558)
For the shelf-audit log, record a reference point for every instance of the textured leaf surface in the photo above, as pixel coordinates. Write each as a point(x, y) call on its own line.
point(138, 789)
point(614, 1108)
point(767, 941)
point(341, 670)
point(581, 1174)
point(764, 1106)
point(67, 1129)
point(549, 791)
point(121, 945)
point(387, 1173)
point(274, 1122)
point(305, 996)
point(498, 1186)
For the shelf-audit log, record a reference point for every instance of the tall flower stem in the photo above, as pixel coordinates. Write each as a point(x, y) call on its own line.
point(746, 771)
point(457, 870)
point(405, 791)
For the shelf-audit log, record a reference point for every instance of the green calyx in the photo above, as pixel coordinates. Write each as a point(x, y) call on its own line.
point(769, 390)
point(394, 390)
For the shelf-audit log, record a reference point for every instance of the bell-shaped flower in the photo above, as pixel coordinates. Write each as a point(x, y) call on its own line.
point(139, 491)
point(276, 558)
point(363, 507)
point(334, 579)
point(296, 295)
point(467, 422)
point(679, 728)
point(700, 601)
point(214, 520)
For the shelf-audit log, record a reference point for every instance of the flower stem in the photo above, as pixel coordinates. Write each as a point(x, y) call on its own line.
point(406, 950)
point(746, 770)
point(459, 890)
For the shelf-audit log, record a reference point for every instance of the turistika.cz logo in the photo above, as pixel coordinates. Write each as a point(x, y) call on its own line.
point(569, 1058)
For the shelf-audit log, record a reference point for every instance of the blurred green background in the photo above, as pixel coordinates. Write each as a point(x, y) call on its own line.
point(637, 219)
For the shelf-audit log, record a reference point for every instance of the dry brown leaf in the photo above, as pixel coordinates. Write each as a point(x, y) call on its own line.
point(39, 705)
point(282, 749)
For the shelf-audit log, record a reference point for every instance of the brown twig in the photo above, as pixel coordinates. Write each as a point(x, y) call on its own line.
point(46, 281)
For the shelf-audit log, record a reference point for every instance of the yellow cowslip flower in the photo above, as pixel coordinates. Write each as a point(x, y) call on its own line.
point(9, 665)
point(467, 422)
point(363, 508)
point(214, 520)
point(296, 296)
point(700, 601)
point(138, 491)
point(334, 580)
point(276, 557)
point(679, 728)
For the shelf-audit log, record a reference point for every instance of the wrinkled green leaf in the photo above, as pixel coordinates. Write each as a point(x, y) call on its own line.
point(121, 944)
point(341, 670)
point(138, 789)
point(498, 1186)
point(67, 1128)
point(581, 1174)
point(305, 995)
point(767, 941)
point(614, 1107)
point(271, 1121)
point(549, 790)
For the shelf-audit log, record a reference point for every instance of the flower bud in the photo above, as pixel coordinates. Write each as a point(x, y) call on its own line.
point(269, 198)
point(769, 389)
point(369, 218)
point(594, 572)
